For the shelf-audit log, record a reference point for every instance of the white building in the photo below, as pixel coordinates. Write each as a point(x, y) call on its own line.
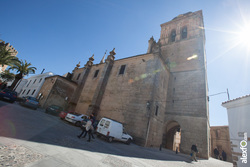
point(19, 86)
point(239, 120)
point(33, 85)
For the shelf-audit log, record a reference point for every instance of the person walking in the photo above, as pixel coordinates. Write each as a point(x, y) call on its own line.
point(216, 153)
point(89, 127)
point(224, 155)
point(86, 129)
point(194, 151)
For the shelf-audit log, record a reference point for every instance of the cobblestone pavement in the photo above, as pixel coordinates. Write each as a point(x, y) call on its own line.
point(17, 156)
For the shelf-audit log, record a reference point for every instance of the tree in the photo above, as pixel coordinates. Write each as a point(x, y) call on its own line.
point(7, 76)
point(6, 57)
point(23, 68)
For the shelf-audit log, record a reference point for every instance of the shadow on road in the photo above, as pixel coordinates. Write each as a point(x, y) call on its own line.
point(36, 126)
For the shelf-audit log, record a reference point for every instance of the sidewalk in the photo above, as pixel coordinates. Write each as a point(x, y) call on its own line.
point(18, 153)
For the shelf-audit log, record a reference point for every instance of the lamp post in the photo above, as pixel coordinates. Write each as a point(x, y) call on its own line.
point(148, 124)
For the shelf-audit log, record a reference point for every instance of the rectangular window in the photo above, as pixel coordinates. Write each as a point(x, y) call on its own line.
point(122, 69)
point(78, 76)
point(34, 81)
point(24, 91)
point(33, 92)
point(218, 134)
point(156, 110)
point(102, 122)
point(106, 125)
point(28, 92)
point(96, 73)
point(40, 80)
point(28, 83)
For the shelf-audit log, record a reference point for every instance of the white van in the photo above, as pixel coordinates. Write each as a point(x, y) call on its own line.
point(113, 130)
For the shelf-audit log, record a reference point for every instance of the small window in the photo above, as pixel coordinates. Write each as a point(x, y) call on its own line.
point(96, 73)
point(218, 134)
point(40, 80)
point(102, 122)
point(184, 32)
point(107, 123)
point(156, 110)
point(34, 81)
point(28, 92)
point(33, 92)
point(173, 35)
point(28, 83)
point(78, 76)
point(122, 69)
point(24, 91)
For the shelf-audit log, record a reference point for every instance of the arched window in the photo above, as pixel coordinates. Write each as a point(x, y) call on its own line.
point(173, 35)
point(184, 32)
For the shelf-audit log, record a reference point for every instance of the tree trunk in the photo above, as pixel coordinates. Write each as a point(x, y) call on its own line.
point(17, 78)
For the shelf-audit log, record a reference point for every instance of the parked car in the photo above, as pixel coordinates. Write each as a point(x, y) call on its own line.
point(53, 110)
point(29, 101)
point(112, 130)
point(63, 114)
point(75, 118)
point(9, 95)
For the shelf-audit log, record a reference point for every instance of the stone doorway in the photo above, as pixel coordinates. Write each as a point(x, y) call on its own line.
point(173, 136)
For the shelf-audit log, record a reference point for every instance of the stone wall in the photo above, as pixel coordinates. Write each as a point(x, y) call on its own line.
point(89, 89)
point(220, 138)
point(187, 101)
point(57, 90)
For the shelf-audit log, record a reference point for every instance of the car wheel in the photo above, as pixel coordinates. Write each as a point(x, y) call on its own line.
point(78, 123)
point(128, 141)
point(110, 139)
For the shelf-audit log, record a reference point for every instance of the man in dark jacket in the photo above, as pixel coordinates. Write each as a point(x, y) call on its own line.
point(224, 155)
point(194, 151)
point(216, 153)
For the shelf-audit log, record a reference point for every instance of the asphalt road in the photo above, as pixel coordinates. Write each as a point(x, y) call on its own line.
point(33, 138)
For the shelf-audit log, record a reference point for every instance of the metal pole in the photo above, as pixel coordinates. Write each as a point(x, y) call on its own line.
point(228, 95)
point(42, 70)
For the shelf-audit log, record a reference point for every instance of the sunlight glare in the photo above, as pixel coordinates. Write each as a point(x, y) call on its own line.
point(244, 36)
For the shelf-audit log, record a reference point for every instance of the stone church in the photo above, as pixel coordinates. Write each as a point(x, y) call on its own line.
point(160, 96)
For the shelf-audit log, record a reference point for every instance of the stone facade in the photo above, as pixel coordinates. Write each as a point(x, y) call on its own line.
point(11, 49)
point(56, 90)
point(220, 139)
point(158, 95)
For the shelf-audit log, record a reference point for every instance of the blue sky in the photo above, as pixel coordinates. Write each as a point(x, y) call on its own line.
point(57, 34)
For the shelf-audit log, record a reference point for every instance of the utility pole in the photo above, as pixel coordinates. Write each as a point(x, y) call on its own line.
point(42, 70)
point(228, 95)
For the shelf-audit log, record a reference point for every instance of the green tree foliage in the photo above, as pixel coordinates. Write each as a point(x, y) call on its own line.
point(22, 68)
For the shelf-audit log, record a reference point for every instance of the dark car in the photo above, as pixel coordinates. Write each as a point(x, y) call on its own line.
point(54, 110)
point(30, 102)
point(8, 94)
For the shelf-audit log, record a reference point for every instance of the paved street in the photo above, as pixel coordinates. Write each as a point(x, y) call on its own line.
point(34, 138)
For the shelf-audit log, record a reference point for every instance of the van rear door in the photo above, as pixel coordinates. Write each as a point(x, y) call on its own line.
point(103, 127)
